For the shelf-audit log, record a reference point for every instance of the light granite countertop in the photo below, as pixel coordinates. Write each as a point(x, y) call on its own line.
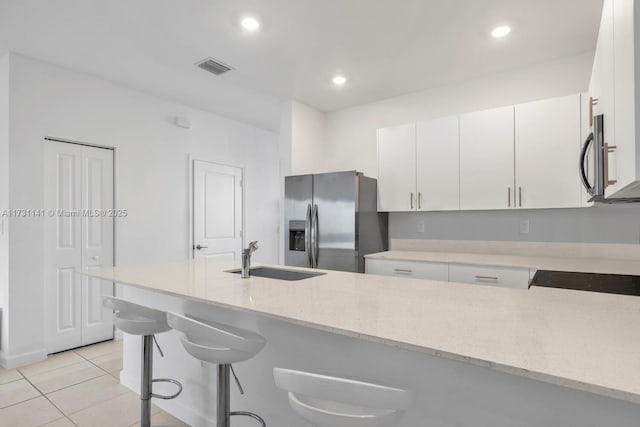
point(582, 340)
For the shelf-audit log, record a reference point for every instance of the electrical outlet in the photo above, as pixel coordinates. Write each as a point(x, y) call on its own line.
point(524, 227)
point(420, 226)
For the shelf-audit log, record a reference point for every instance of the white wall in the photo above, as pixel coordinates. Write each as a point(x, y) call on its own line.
point(350, 135)
point(4, 197)
point(307, 139)
point(151, 162)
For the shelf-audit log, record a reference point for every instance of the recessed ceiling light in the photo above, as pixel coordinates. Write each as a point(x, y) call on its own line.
point(250, 24)
point(339, 80)
point(500, 31)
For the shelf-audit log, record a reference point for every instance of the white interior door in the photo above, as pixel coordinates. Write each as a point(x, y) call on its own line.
point(63, 247)
point(97, 241)
point(217, 211)
point(76, 178)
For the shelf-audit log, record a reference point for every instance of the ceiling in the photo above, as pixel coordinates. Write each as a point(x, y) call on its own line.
point(385, 48)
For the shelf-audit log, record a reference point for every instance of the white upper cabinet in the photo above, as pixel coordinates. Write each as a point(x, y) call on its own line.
point(547, 148)
point(601, 86)
point(438, 178)
point(486, 159)
point(613, 87)
point(397, 168)
point(624, 159)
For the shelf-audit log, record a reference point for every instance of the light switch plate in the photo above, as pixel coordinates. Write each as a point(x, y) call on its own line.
point(524, 227)
point(421, 226)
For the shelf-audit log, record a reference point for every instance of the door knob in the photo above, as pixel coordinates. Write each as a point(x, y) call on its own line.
point(199, 247)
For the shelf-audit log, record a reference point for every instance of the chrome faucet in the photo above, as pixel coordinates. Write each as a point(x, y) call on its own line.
point(246, 258)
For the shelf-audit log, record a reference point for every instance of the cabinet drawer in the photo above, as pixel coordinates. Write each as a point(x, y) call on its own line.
point(417, 270)
point(494, 276)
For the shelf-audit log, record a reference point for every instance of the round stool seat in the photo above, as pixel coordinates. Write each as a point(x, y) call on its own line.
point(136, 319)
point(215, 343)
point(326, 401)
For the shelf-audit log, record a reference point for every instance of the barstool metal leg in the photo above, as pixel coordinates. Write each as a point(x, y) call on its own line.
point(147, 378)
point(224, 407)
point(224, 399)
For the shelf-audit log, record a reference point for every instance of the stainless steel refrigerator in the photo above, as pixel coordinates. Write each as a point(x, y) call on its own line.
point(332, 222)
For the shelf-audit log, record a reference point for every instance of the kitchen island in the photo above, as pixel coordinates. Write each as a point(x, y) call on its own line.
point(473, 355)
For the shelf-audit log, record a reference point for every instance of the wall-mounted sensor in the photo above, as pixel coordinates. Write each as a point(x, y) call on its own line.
point(182, 122)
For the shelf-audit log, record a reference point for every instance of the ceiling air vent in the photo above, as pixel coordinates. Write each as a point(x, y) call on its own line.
point(214, 66)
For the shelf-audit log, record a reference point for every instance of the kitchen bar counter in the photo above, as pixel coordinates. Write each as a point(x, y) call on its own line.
point(581, 340)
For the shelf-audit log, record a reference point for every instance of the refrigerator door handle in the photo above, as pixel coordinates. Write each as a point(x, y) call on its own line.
point(307, 236)
point(314, 236)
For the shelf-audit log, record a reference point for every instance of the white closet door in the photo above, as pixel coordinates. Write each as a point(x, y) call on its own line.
point(63, 246)
point(397, 168)
point(547, 152)
point(77, 178)
point(437, 151)
point(97, 241)
point(486, 159)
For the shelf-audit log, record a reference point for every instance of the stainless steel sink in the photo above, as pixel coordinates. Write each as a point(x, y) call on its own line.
point(279, 273)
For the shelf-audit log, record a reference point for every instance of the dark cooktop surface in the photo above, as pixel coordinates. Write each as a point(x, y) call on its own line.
point(592, 282)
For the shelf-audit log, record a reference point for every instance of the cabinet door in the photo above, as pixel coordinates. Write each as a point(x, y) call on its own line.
point(601, 85)
point(547, 140)
point(397, 168)
point(437, 155)
point(624, 159)
point(486, 159)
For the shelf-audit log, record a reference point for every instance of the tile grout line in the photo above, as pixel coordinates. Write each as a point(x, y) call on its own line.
point(50, 370)
point(13, 381)
point(45, 395)
point(99, 367)
point(73, 385)
point(52, 404)
point(26, 400)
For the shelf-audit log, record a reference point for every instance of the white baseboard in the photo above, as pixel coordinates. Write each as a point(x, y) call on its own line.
point(17, 360)
point(174, 407)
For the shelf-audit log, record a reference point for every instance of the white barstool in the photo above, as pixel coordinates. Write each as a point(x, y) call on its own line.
point(221, 345)
point(326, 401)
point(136, 319)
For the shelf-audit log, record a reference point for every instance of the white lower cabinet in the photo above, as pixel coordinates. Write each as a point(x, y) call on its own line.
point(507, 277)
point(415, 269)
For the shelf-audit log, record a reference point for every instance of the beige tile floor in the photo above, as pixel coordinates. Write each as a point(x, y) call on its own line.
point(79, 387)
